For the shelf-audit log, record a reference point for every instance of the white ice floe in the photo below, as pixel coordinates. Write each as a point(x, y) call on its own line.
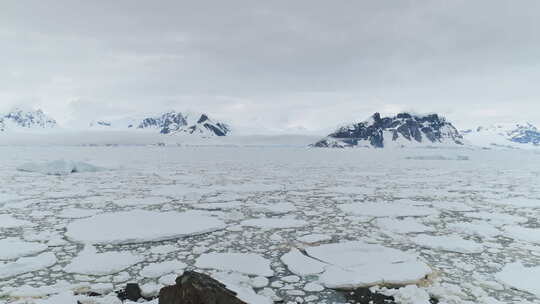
point(141, 201)
point(520, 277)
point(90, 262)
point(386, 209)
point(448, 243)
point(520, 202)
point(157, 270)
point(407, 225)
point(59, 167)
point(8, 221)
point(275, 208)
point(274, 223)
point(219, 206)
point(478, 228)
point(358, 264)
point(241, 285)
point(246, 263)
point(138, 226)
point(27, 264)
point(12, 248)
point(410, 294)
point(302, 265)
point(77, 213)
point(163, 249)
point(497, 218)
point(522, 233)
point(314, 238)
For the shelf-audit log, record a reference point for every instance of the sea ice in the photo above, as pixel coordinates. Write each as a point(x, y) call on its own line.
point(138, 226)
point(274, 223)
point(386, 209)
point(8, 221)
point(358, 264)
point(302, 265)
point(59, 167)
point(27, 264)
point(246, 263)
point(522, 233)
point(157, 270)
point(448, 243)
point(520, 277)
point(90, 262)
point(407, 225)
point(12, 248)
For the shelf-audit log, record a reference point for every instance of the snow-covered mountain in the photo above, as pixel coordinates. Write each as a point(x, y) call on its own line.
point(171, 122)
point(517, 135)
point(20, 120)
point(404, 129)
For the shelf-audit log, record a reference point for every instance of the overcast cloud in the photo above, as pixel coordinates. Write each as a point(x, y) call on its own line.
point(273, 65)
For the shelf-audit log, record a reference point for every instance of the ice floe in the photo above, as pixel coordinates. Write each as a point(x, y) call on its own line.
point(386, 209)
point(302, 265)
point(274, 223)
point(59, 167)
point(8, 221)
point(246, 263)
point(156, 270)
point(522, 233)
point(90, 262)
point(358, 264)
point(127, 227)
point(448, 243)
point(12, 248)
point(407, 225)
point(520, 277)
point(27, 264)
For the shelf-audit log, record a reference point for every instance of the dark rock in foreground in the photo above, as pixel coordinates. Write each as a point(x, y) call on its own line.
point(132, 292)
point(197, 288)
point(366, 296)
point(402, 129)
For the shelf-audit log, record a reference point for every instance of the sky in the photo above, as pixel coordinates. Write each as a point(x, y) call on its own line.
point(273, 66)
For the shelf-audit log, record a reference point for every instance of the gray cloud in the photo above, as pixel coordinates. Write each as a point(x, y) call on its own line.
point(273, 64)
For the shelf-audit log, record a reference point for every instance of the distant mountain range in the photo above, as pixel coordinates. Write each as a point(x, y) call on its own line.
point(26, 120)
point(404, 129)
point(171, 122)
point(504, 135)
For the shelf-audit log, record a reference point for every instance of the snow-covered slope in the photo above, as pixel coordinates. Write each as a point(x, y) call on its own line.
point(517, 135)
point(20, 120)
point(171, 122)
point(401, 130)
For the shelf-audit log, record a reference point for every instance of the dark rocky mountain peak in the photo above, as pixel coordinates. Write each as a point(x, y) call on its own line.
point(402, 129)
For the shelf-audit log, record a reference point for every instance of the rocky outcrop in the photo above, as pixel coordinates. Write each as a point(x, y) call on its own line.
point(517, 135)
point(19, 119)
point(197, 288)
point(205, 125)
point(401, 130)
point(166, 123)
point(524, 134)
point(176, 122)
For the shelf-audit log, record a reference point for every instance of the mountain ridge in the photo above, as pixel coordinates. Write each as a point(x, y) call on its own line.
point(399, 130)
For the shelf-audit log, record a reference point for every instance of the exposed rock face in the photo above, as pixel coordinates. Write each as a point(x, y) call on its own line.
point(197, 288)
point(176, 122)
point(525, 134)
point(167, 123)
point(205, 125)
point(401, 129)
point(100, 123)
point(26, 119)
point(511, 135)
